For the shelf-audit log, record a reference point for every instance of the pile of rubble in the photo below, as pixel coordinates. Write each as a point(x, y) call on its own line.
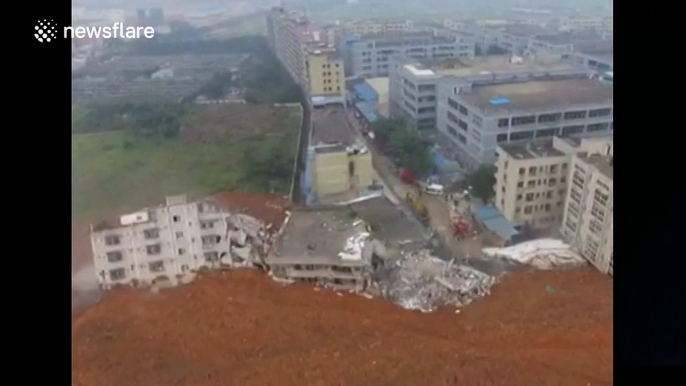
point(541, 253)
point(250, 240)
point(419, 281)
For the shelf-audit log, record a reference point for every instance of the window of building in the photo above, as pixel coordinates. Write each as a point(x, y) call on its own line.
point(427, 87)
point(151, 233)
point(549, 194)
point(453, 104)
point(547, 132)
point(522, 135)
point(503, 122)
point(524, 120)
point(520, 184)
point(113, 257)
point(529, 197)
point(599, 113)
point(575, 115)
point(519, 197)
point(112, 240)
point(553, 168)
point(211, 256)
point(182, 251)
point(552, 182)
point(531, 184)
point(451, 130)
point(554, 117)
point(518, 209)
point(569, 130)
point(463, 110)
point(532, 170)
point(153, 249)
point(528, 209)
point(426, 110)
point(462, 124)
point(501, 138)
point(176, 218)
point(462, 138)
point(547, 207)
point(597, 127)
point(117, 274)
point(156, 266)
point(453, 118)
point(179, 235)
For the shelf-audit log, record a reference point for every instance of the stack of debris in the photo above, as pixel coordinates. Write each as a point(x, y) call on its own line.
point(541, 253)
point(249, 241)
point(420, 281)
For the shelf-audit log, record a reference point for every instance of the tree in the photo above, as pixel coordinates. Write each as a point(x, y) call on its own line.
point(157, 120)
point(482, 181)
point(404, 144)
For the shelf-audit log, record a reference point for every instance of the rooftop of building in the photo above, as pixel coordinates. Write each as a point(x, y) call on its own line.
point(531, 150)
point(322, 233)
point(379, 85)
point(518, 29)
point(329, 126)
point(486, 64)
point(538, 95)
point(399, 36)
point(564, 38)
point(603, 163)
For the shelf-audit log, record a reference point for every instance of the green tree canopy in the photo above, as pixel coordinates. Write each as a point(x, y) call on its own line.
point(482, 181)
point(404, 144)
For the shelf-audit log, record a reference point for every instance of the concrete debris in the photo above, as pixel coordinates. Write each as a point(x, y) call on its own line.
point(419, 281)
point(541, 253)
point(354, 246)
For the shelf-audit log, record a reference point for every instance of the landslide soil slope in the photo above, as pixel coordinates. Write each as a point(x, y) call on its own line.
point(241, 328)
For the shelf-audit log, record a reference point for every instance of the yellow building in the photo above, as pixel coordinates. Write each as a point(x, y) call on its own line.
point(325, 73)
point(338, 169)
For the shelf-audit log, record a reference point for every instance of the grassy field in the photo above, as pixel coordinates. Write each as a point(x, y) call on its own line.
point(117, 172)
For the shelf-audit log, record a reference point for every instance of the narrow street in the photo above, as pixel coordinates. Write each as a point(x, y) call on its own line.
point(438, 207)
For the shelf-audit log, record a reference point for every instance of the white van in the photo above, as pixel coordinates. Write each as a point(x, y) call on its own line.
point(435, 189)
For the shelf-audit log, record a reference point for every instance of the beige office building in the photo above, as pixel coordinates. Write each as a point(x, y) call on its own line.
point(532, 178)
point(588, 215)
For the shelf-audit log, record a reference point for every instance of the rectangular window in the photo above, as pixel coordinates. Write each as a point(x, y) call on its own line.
point(501, 138)
point(521, 136)
point(575, 115)
point(597, 127)
point(462, 124)
point(112, 240)
point(451, 130)
point(549, 117)
point(462, 138)
point(156, 266)
point(547, 132)
point(525, 120)
point(151, 233)
point(153, 249)
point(569, 130)
point(503, 122)
point(117, 274)
point(463, 110)
point(113, 257)
point(599, 113)
point(453, 104)
point(211, 256)
point(453, 118)
point(179, 235)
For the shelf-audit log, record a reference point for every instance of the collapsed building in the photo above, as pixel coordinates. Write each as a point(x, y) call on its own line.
point(339, 246)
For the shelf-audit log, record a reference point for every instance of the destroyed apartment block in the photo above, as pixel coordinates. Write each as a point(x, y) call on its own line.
point(339, 247)
point(175, 239)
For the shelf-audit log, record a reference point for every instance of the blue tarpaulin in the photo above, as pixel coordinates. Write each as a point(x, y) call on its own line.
point(492, 219)
point(444, 164)
point(499, 101)
point(367, 111)
point(365, 93)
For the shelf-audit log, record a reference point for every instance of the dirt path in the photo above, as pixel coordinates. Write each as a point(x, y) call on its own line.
point(241, 328)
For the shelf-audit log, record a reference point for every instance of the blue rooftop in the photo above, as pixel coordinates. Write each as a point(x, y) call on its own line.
point(367, 111)
point(499, 101)
point(365, 93)
point(492, 219)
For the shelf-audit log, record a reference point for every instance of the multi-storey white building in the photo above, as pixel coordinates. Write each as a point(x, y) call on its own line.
point(413, 84)
point(163, 242)
point(532, 178)
point(363, 27)
point(370, 55)
point(478, 116)
point(588, 215)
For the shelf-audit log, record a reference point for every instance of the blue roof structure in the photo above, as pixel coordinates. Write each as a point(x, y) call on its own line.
point(365, 93)
point(367, 111)
point(444, 164)
point(499, 101)
point(494, 221)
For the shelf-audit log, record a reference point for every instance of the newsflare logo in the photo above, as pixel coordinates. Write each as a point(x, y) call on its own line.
point(45, 30)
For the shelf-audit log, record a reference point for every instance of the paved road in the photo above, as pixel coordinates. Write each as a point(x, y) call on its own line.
point(437, 206)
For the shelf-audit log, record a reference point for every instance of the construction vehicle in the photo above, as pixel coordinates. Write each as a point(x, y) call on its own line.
point(418, 207)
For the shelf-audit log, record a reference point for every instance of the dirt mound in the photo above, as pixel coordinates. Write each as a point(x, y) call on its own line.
point(240, 328)
point(271, 209)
